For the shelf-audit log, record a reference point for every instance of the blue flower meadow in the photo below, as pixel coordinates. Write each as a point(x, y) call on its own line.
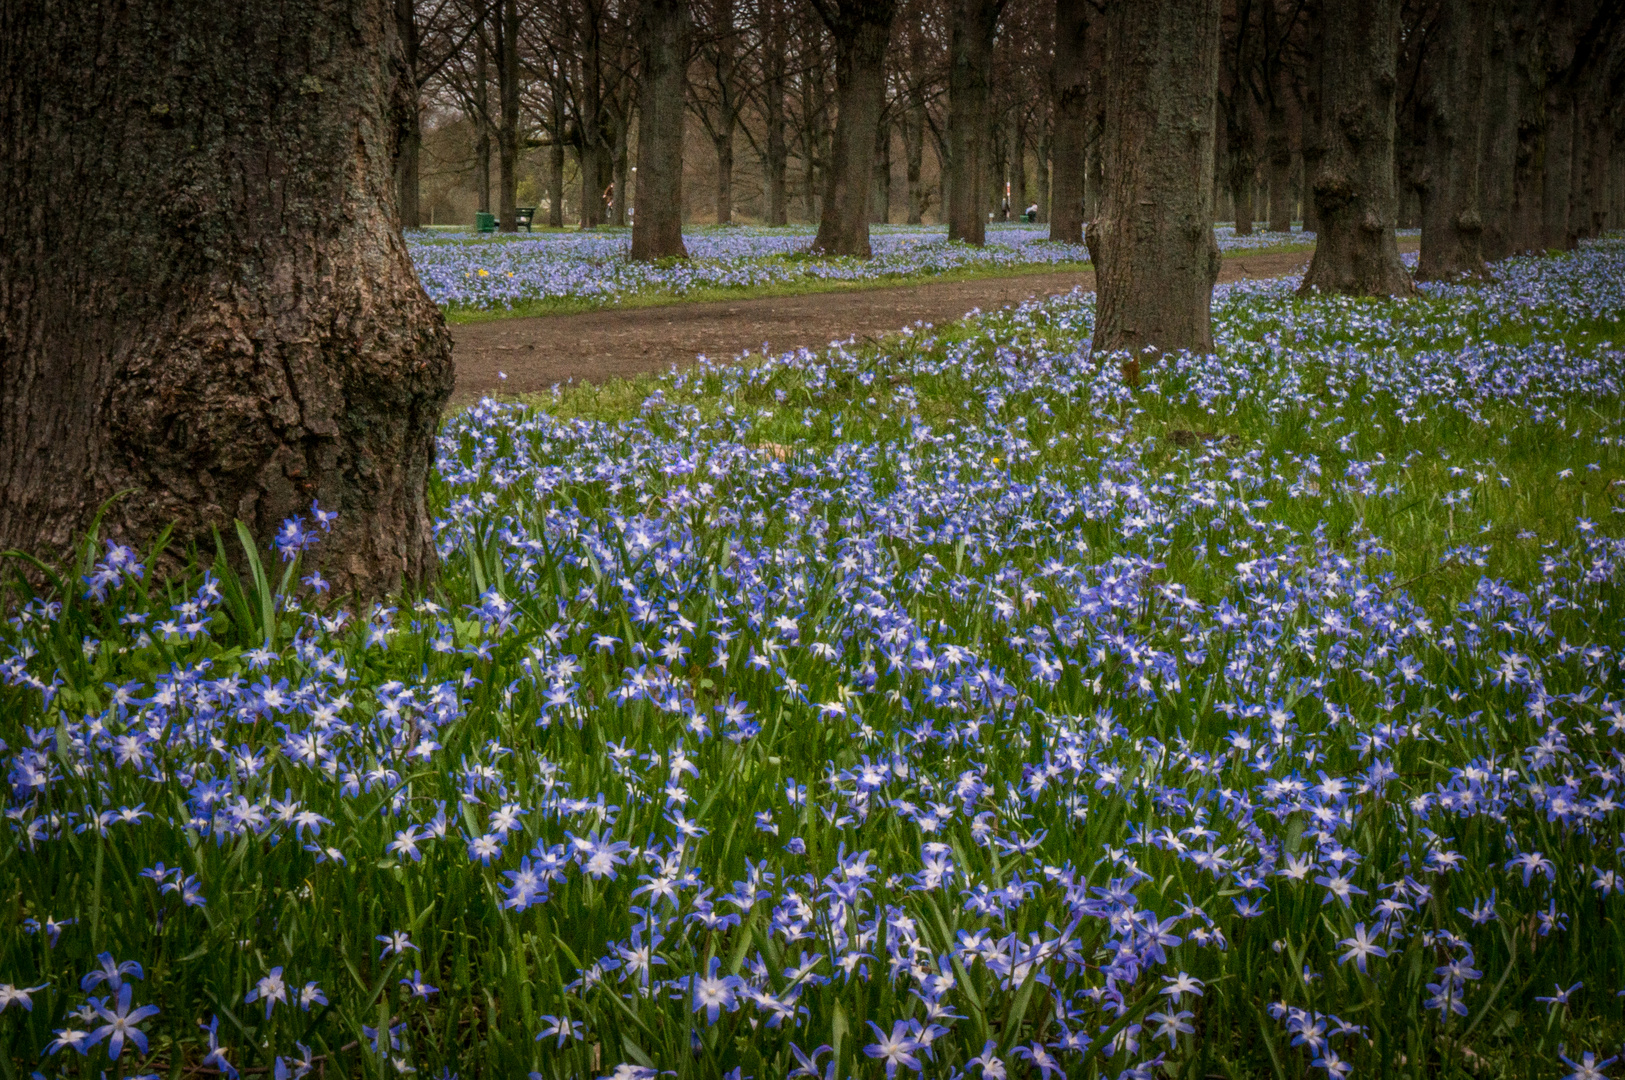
point(493, 272)
point(941, 708)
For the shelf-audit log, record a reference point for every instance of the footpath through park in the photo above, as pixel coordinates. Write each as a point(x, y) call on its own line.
point(535, 353)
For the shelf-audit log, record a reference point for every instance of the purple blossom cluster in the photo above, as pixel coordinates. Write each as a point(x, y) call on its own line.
point(799, 725)
point(459, 270)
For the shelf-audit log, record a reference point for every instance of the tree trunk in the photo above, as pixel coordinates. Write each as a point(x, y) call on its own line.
point(1558, 171)
point(209, 311)
point(1452, 218)
point(1094, 174)
point(914, 148)
point(777, 154)
point(724, 145)
point(1041, 179)
point(619, 204)
point(972, 25)
point(663, 34)
point(1353, 184)
point(1069, 76)
point(594, 149)
point(555, 151)
point(1311, 153)
point(1018, 167)
point(1153, 247)
point(482, 123)
point(508, 129)
point(993, 188)
point(1529, 166)
point(1278, 153)
point(1498, 145)
point(409, 142)
point(1241, 171)
point(861, 29)
point(722, 136)
point(880, 197)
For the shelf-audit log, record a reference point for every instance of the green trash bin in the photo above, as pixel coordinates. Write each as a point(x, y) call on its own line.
point(484, 222)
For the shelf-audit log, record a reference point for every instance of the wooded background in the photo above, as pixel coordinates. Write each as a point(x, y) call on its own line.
point(760, 101)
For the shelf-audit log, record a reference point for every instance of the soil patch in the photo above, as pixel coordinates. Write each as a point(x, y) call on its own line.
point(535, 353)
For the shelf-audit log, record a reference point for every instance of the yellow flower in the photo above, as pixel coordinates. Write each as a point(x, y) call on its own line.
point(485, 273)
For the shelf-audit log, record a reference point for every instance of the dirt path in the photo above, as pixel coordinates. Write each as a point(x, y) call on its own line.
point(538, 352)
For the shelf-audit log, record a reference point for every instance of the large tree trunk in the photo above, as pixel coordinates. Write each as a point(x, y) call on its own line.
point(1310, 153)
point(1452, 217)
point(1499, 142)
point(1153, 247)
point(1353, 184)
point(657, 224)
point(972, 25)
point(1094, 171)
point(1558, 165)
point(1557, 178)
point(409, 143)
point(1529, 166)
point(861, 29)
point(508, 127)
point(208, 307)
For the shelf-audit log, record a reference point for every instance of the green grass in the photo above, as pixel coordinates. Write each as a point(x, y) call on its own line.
point(458, 316)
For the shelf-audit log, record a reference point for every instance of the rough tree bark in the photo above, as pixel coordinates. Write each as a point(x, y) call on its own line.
point(1529, 165)
point(1094, 163)
point(1153, 247)
point(1558, 165)
point(972, 25)
point(207, 300)
point(1499, 142)
point(861, 30)
point(1353, 136)
point(1452, 214)
point(508, 125)
point(663, 39)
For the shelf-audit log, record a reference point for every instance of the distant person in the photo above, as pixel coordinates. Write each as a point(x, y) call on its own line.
point(1030, 214)
point(1004, 210)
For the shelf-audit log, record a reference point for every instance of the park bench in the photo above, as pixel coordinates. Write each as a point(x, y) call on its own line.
point(484, 222)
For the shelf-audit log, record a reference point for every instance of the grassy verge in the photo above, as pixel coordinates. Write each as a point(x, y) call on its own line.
point(577, 305)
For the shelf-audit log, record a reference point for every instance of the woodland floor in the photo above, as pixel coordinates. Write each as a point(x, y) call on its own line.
point(535, 353)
